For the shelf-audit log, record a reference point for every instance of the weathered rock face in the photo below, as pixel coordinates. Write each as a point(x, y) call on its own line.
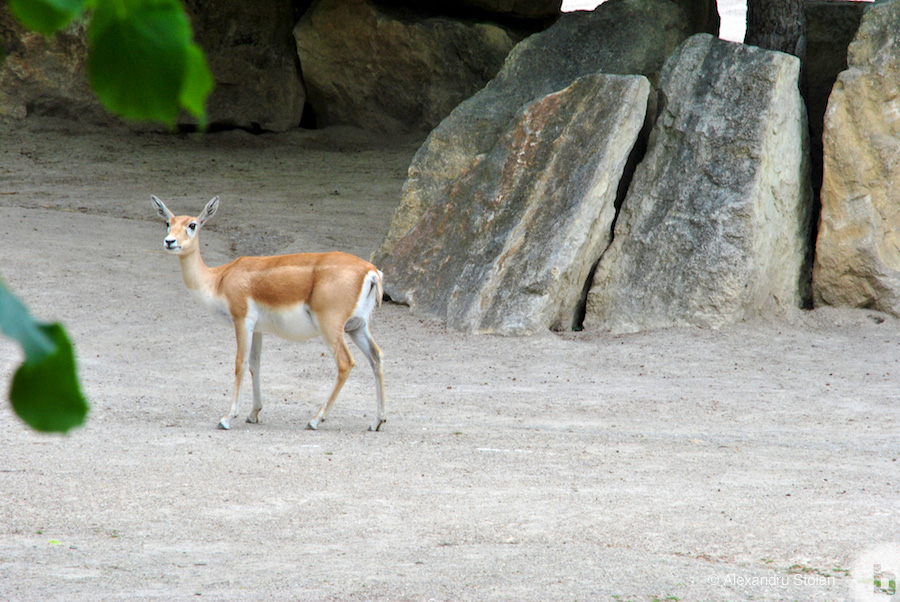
point(511, 248)
point(45, 76)
point(714, 226)
point(252, 57)
point(858, 248)
point(248, 45)
point(830, 27)
point(392, 72)
point(621, 37)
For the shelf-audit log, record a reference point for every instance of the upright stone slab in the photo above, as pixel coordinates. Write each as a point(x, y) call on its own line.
point(621, 37)
point(511, 248)
point(858, 248)
point(714, 226)
point(385, 71)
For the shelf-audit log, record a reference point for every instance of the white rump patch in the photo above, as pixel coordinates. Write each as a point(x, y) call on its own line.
point(365, 304)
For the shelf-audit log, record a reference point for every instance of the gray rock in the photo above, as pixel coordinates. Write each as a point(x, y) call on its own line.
point(253, 61)
point(382, 72)
point(46, 76)
point(830, 27)
point(511, 248)
point(714, 227)
point(620, 37)
point(858, 248)
point(248, 46)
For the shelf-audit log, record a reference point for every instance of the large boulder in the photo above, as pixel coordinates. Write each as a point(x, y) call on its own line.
point(248, 45)
point(253, 61)
point(43, 75)
point(390, 70)
point(714, 227)
point(511, 247)
point(830, 27)
point(620, 37)
point(858, 248)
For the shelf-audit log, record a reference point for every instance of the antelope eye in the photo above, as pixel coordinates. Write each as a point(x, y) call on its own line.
point(168, 226)
point(192, 226)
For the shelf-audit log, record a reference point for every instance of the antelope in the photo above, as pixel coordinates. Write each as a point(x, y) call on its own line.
point(296, 297)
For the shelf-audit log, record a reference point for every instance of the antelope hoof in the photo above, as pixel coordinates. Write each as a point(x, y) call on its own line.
point(225, 424)
point(376, 426)
point(313, 425)
point(253, 419)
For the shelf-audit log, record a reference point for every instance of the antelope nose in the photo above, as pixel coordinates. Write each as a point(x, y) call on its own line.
point(169, 242)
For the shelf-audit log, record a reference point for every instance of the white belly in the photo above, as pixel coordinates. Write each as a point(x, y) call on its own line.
point(295, 323)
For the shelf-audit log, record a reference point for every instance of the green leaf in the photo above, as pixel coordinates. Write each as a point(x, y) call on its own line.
point(46, 16)
point(16, 323)
point(198, 84)
point(143, 63)
point(45, 393)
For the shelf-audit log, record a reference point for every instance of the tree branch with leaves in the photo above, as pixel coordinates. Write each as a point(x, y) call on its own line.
point(144, 65)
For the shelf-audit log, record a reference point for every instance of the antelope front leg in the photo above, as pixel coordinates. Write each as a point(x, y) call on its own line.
point(244, 333)
point(255, 352)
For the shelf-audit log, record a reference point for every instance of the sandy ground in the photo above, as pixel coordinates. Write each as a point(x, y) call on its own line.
point(752, 463)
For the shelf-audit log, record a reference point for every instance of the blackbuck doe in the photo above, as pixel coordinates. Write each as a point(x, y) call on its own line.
point(297, 297)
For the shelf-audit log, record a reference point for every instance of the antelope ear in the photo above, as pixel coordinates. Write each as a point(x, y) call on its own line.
point(210, 210)
point(161, 208)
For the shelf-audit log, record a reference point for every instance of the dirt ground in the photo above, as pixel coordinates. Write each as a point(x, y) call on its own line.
point(758, 462)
